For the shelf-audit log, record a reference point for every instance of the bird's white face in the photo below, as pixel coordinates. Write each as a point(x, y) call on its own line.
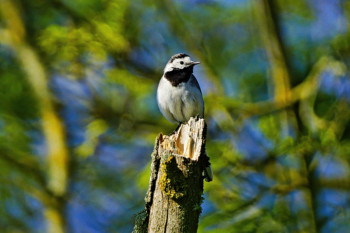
point(179, 63)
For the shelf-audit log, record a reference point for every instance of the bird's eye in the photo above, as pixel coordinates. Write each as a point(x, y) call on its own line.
point(181, 62)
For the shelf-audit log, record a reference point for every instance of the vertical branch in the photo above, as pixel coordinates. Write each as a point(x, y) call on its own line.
point(281, 81)
point(311, 193)
point(273, 46)
point(278, 64)
point(57, 154)
point(52, 126)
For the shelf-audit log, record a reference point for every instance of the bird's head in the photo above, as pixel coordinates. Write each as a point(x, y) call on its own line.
point(179, 61)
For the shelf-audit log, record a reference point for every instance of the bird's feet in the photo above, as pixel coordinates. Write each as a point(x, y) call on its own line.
point(175, 130)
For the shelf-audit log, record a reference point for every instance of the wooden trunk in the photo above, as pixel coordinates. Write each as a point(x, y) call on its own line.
point(174, 196)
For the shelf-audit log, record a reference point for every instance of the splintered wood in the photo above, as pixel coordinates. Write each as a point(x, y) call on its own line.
point(187, 141)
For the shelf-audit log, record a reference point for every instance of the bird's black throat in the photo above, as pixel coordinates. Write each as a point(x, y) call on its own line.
point(177, 76)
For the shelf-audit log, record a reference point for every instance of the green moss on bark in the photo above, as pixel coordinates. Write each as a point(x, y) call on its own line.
point(172, 181)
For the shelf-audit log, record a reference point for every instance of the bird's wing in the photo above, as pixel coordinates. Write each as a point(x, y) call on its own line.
point(195, 82)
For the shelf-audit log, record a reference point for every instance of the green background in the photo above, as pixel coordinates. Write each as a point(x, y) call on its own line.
point(78, 112)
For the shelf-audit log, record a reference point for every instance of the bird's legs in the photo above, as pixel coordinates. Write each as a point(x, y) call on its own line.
point(176, 129)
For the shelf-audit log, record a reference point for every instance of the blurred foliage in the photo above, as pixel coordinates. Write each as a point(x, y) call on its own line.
point(77, 88)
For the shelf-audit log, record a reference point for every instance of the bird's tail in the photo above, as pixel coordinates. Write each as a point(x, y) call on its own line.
point(207, 172)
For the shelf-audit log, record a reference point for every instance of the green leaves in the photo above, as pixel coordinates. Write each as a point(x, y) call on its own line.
point(95, 129)
point(114, 52)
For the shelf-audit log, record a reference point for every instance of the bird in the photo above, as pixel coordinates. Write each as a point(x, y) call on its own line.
point(179, 95)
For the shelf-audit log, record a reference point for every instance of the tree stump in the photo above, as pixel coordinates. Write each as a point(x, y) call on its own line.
point(174, 196)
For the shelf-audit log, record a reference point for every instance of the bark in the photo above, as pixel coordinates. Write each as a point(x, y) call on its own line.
point(174, 196)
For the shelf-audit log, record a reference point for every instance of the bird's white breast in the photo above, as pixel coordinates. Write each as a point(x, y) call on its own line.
point(179, 103)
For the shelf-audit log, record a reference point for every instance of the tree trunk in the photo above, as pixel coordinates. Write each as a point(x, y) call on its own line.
point(174, 196)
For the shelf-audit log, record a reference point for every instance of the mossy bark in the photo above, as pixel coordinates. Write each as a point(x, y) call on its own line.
point(174, 197)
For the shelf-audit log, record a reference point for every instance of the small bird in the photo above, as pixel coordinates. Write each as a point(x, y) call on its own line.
point(179, 95)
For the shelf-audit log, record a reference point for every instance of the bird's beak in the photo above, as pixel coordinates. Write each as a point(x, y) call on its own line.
point(193, 63)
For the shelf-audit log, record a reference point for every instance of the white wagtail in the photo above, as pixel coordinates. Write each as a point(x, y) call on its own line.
point(179, 96)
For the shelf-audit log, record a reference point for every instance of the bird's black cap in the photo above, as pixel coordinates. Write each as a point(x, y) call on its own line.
point(179, 55)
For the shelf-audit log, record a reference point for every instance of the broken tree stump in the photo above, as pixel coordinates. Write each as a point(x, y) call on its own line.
point(174, 196)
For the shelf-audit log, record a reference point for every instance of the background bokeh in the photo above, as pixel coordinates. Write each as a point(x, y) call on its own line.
point(78, 112)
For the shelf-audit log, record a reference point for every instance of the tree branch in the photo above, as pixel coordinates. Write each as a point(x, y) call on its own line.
point(57, 154)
